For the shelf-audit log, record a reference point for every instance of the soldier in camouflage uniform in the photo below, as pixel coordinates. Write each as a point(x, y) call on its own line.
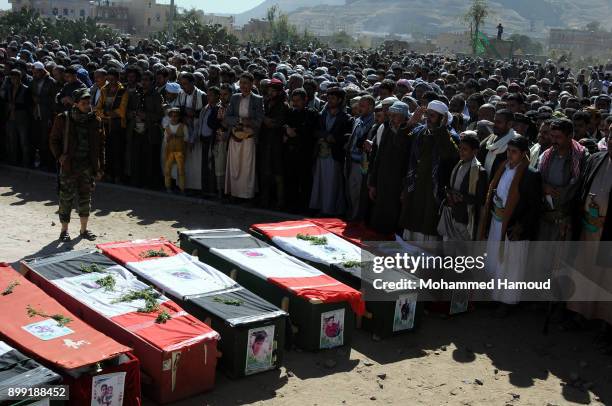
point(77, 142)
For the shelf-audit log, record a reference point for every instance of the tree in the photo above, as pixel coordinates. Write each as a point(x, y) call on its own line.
point(74, 31)
point(188, 27)
point(28, 23)
point(342, 40)
point(475, 16)
point(593, 26)
point(281, 29)
point(25, 22)
point(526, 44)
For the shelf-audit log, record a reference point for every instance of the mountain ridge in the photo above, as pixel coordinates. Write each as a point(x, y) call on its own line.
point(531, 17)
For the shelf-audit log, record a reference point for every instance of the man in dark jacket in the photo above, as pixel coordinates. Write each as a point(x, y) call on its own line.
point(354, 168)
point(270, 144)
point(595, 257)
point(298, 147)
point(595, 197)
point(433, 154)
point(385, 180)
point(64, 97)
point(43, 90)
point(335, 126)
point(77, 142)
point(17, 97)
point(147, 135)
point(493, 148)
point(562, 169)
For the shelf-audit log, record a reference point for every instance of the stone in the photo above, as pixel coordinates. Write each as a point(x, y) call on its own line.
point(380, 385)
point(436, 352)
point(53, 224)
point(478, 381)
point(515, 395)
point(290, 374)
point(368, 363)
point(443, 348)
point(382, 376)
point(496, 371)
point(372, 397)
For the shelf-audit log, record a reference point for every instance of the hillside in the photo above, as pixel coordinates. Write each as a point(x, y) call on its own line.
point(533, 17)
point(286, 6)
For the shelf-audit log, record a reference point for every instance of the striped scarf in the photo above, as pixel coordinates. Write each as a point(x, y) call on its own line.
point(576, 152)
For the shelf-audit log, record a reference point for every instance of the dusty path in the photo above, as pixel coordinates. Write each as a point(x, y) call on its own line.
point(471, 359)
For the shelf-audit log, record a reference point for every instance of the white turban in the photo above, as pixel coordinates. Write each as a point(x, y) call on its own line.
point(389, 101)
point(440, 108)
point(173, 87)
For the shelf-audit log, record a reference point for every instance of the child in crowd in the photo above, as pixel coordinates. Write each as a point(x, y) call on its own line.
point(176, 136)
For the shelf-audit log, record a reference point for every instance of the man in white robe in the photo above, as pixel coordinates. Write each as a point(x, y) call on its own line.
point(243, 117)
point(510, 221)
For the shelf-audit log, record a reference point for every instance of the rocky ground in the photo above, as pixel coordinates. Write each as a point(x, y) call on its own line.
point(470, 359)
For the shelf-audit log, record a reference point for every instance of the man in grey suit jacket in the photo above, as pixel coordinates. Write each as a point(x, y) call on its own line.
point(245, 112)
point(254, 104)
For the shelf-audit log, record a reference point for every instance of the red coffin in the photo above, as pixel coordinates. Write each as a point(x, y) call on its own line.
point(178, 358)
point(80, 353)
point(357, 233)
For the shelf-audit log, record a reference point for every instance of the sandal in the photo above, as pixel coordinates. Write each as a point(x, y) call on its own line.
point(88, 235)
point(64, 236)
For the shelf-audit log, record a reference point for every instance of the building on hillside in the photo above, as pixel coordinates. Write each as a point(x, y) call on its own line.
point(148, 16)
point(226, 22)
point(140, 17)
point(579, 42)
point(255, 29)
point(71, 9)
point(323, 25)
point(113, 15)
point(451, 42)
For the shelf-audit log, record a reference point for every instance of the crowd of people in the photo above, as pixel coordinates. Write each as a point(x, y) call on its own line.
point(429, 147)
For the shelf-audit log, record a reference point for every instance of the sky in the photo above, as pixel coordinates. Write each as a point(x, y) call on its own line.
point(209, 6)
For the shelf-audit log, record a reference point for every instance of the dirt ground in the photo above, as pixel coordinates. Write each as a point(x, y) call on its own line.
point(470, 359)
